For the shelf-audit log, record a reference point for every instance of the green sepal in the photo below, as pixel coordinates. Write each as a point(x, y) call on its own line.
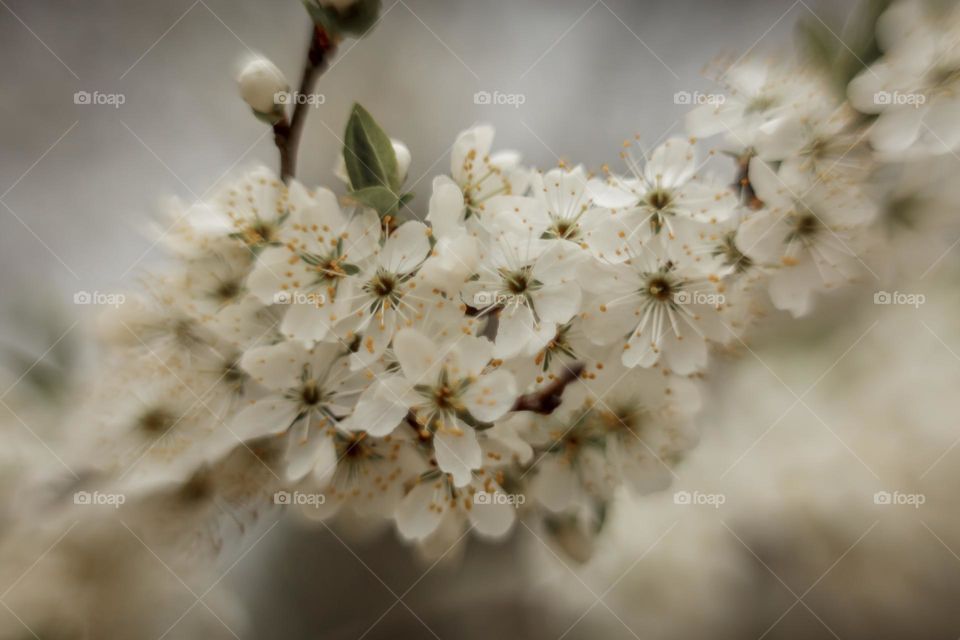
point(355, 21)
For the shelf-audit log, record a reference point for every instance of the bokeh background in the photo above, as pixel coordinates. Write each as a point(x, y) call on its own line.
point(805, 424)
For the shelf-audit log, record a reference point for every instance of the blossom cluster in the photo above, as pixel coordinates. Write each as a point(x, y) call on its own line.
point(527, 342)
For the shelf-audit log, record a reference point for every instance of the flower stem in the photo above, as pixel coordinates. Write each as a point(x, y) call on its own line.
point(287, 132)
point(547, 399)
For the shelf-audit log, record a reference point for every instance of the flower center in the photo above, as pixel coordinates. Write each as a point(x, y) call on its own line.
point(805, 226)
point(760, 103)
point(156, 421)
point(227, 290)
point(354, 447)
point(310, 393)
point(659, 199)
point(445, 398)
point(259, 232)
point(731, 254)
point(659, 288)
point(518, 282)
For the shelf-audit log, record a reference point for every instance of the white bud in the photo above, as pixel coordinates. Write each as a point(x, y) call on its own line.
point(260, 82)
point(403, 159)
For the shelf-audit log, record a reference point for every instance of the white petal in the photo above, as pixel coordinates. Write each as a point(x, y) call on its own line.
point(315, 452)
point(380, 407)
point(472, 354)
point(406, 248)
point(605, 194)
point(276, 366)
point(418, 356)
point(557, 303)
point(445, 211)
point(420, 512)
point(491, 395)
point(458, 452)
point(555, 484)
point(897, 128)
point(307, 322)
point(265, 417)
point(492, 519)
point(671, 164)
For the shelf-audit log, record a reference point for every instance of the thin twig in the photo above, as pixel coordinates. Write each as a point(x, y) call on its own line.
point(287, 132)
point(547, 399)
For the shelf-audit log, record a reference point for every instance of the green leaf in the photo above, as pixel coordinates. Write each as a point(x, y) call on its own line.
point(381, 199)
point(841, 57)
point(818, 46)
point(270, 118)
point(368, 153)
point(860, 35)
point(355, 21)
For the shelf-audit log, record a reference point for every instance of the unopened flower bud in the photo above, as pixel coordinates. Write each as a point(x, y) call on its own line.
point(403, 158)
point(260, 82)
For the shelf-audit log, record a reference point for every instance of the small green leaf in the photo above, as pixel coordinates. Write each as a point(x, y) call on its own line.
point(404, 199)
point(380, 199)
point(354, 21)
point(368, 153)
point(817, 45)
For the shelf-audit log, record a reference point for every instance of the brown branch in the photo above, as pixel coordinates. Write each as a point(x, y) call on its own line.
point(287, 132)
point(547, 399)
